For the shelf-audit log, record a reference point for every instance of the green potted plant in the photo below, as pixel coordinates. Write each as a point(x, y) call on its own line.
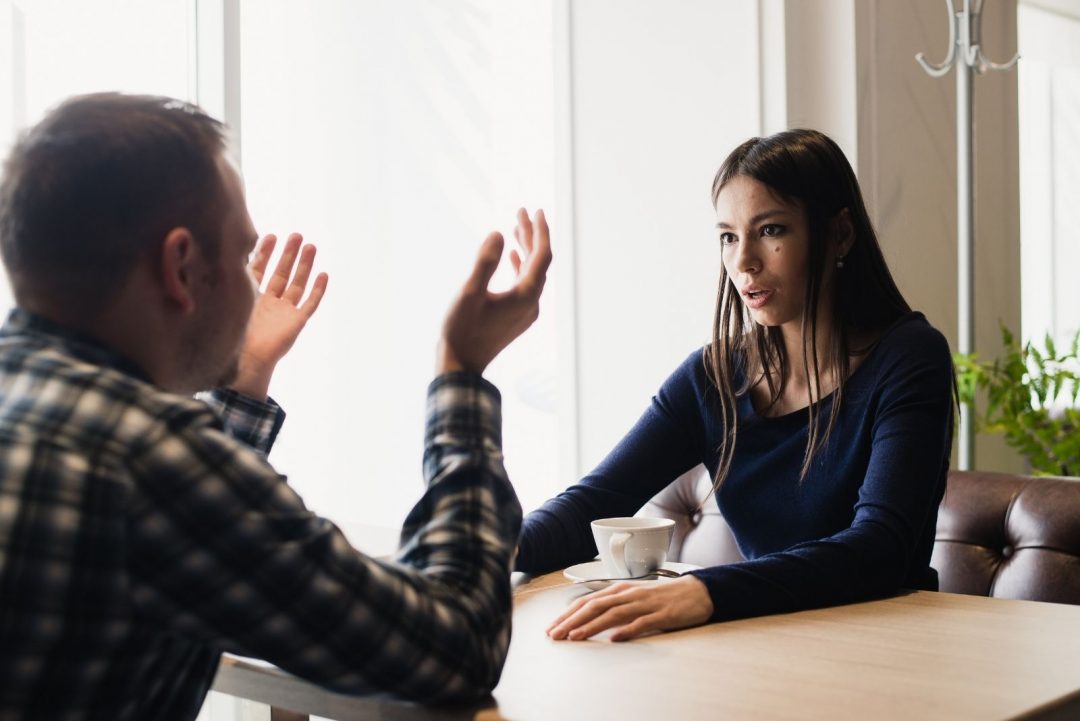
point(1031, 398)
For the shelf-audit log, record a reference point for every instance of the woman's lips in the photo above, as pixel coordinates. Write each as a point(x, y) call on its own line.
point(756, 298)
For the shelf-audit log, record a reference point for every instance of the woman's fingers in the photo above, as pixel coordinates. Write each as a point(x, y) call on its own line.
point(573, 608)
point(640, 626)
point(634, 609)
point(586, 609)
point(614, 616)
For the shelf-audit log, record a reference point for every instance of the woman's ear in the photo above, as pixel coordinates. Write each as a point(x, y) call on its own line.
point(176, 269)
point(843, 232)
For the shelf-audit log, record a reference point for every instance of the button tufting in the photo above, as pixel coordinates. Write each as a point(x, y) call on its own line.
point(1007, 551)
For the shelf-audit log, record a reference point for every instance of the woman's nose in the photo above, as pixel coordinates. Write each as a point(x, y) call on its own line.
point(746, 259)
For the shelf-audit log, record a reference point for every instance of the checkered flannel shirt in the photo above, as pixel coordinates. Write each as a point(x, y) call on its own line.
point(143, 533)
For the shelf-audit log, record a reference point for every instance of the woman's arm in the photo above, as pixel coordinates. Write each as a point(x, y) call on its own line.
point(911, 440)
point(666, 441)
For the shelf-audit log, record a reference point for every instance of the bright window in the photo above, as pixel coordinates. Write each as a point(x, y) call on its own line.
point(395, 136)
point(1049, 93)
point(52, 49)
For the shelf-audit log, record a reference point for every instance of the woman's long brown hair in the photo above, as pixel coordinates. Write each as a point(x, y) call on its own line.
point(806, 168)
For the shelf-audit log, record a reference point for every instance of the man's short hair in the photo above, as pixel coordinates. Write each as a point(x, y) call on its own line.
point(97, 185)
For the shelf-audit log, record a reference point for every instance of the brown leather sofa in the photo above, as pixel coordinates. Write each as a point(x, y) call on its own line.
point(1010, 537)
point(998, 534)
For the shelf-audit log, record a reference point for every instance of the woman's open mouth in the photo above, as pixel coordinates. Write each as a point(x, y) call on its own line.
point(756, 298)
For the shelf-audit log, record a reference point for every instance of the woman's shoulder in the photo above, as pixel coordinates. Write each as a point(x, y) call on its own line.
point(693, 370)
point(911, 335)
point(696, 367)
point(690, 382)
point(910, 347)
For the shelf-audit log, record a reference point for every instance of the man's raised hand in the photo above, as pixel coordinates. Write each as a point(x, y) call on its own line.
point(480, 323)
point(281, 311)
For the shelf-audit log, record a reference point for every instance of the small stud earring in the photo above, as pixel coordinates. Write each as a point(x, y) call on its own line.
point(839, 262)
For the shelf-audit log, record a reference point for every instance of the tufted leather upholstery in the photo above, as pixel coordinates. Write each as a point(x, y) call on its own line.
point(1010, 537)
point(998, 535)
point(702, 537)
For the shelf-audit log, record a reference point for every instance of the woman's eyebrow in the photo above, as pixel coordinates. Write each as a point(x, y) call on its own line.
point(764, 215)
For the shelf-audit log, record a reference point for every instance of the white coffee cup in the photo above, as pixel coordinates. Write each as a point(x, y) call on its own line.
point(631, 547)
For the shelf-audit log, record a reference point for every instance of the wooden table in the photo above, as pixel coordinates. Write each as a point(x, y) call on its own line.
point(921, 655)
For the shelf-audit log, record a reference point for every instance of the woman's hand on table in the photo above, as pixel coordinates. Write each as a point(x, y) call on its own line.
point(635, 609)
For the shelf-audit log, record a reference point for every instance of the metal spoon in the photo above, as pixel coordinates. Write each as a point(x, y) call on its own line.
point(655, 573)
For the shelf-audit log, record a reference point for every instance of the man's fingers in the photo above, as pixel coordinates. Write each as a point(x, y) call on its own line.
point(524, 230)
point(318, 290)
point(541, 249)
point(303, 271)
point(486, 263)
point(263, 251)
point(280, 279)
point(539, 260)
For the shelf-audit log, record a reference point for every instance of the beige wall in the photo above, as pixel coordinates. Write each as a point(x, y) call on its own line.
point(907, 163)
point(820, 88)
point(851, 72)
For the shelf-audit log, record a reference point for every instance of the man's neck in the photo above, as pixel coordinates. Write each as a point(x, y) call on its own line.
point(131, 331)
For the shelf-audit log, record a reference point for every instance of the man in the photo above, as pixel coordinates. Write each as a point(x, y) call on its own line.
point(143, 532)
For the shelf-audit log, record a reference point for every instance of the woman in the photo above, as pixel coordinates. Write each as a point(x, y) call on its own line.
point(822, 408)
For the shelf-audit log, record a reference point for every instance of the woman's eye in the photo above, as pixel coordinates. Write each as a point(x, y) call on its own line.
point(772, 230)
point(727, 238)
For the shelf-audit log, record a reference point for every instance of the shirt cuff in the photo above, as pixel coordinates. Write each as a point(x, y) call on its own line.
point(466, 410)
point(246, 419)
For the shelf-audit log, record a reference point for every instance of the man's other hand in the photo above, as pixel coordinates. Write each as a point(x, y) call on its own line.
point(280, 311)
point(481, 323)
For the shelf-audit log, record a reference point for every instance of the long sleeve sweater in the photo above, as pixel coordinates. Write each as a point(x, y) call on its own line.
point(860, 524)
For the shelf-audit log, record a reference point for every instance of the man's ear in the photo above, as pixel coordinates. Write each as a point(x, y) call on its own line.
point(843, 232)
point(177, 268)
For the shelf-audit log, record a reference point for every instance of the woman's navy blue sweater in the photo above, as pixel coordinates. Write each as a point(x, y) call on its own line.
point(861, 523)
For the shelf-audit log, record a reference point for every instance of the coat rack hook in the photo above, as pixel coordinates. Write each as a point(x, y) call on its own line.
point(938, 71)
point(984, 64)
point(966, 54)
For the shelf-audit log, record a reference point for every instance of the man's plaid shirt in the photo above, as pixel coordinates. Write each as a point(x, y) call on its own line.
point(143, 533)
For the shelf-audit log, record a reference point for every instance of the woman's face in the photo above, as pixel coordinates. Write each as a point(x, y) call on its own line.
point(765, 250)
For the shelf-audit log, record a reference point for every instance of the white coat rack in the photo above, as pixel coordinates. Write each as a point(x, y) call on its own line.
point(966, 55)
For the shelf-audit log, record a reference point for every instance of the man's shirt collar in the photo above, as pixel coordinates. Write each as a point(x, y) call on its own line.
point(21, 322)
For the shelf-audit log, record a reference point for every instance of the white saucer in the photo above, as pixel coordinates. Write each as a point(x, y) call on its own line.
point(595, 570)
